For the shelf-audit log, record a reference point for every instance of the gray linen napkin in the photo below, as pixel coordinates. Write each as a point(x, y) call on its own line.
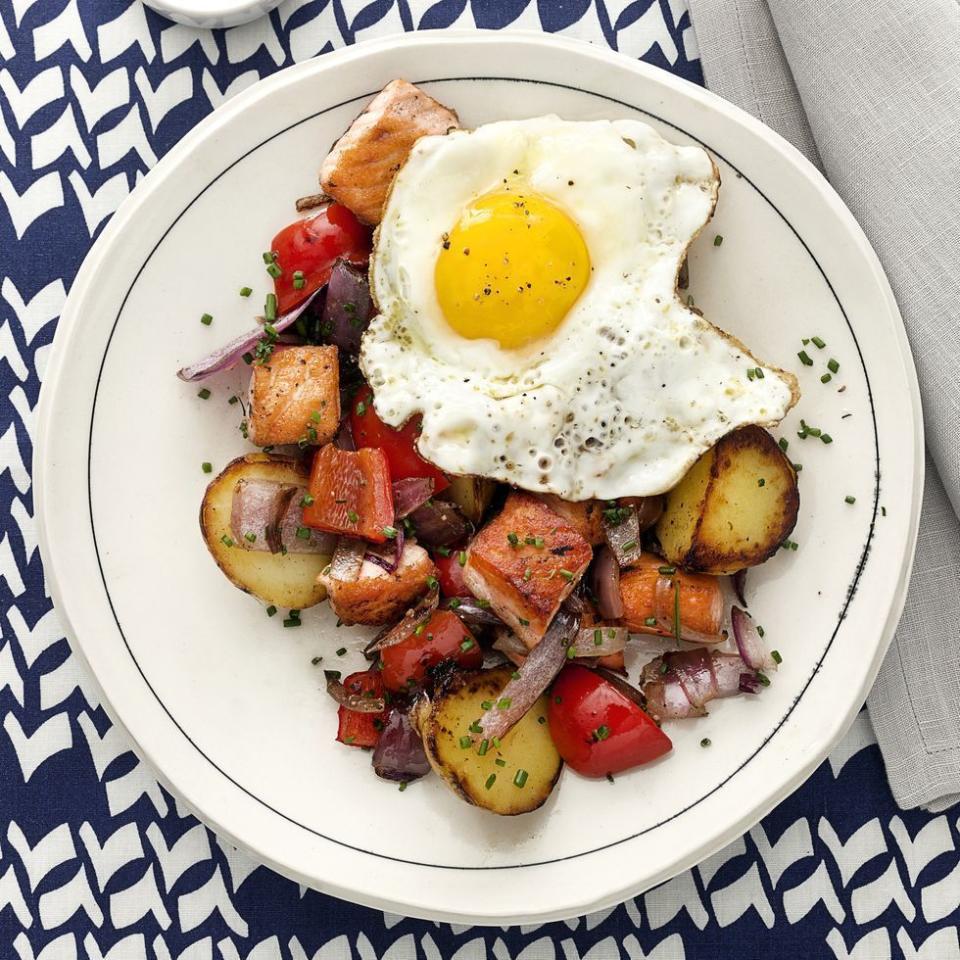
point(870, 92)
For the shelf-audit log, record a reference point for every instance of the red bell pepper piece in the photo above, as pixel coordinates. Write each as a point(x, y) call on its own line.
point(442, 637)
point(357, 729)
point(351, 493)
point(311, 247)
point(597, 728)
point(450, 575)
point(398, 445)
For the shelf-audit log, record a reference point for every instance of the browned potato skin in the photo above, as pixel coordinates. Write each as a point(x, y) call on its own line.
point(287, 581)
point(720, 518)
point(444, 719)
point(472, 495)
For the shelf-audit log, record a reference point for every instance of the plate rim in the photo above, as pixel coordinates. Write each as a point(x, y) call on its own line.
point(240, 104)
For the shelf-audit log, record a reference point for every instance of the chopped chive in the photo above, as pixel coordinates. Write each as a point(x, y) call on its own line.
point(513, 539)
point(444, 551)
point(825, 378)
point(462, 558)
point(402, 786)
point(454, 603)
point(418, 629)
point(496, 742)
point(524, 622)
point(597, 638)
point(527, 574)
point(247, 358)
point(571, 652)
point(466, 743)
point(504, 703)
point(566, 574)
point(271, 610)
point(759, 630)
point(234, 399)
point(667, 571)
point(751, 372)
point(797, 467)
point(777, 658)
point(849, 499)
point(299, 282)
point(515, 675)
point(251, 537)
point(269, 257)
point(832, 365)
point(759, 372)
point(203, 394)
point(486, 704)
point(491, 780)
point(818, 343)
point(206, 466)
point(353, 516)
point(246, 291)
point(690, 300)
point(483, 603)
point(227, 541)
point(274, 271)
point(629, 545)
point(206, 319)
point(390, 533)
point(432, 582)
point(270, 307)
point(316, 416)
point(467, 644)
point(541, 720)
point(761, 482)
point(341, 651)
point(521, 778)
point(805, 358)
point(475, 727)
point(705, 742)
point(805, 341)
point(650, 621)
point(292, 622)
point(763, 678)
point(883, 511)
point(306, 500)
point(601, 733)
point(500, 762)
point(717, 240)
point(663, 667)
point(826, 438)
point(482, 749)
point(361, 408)
point(609, 777)
point(784, 443)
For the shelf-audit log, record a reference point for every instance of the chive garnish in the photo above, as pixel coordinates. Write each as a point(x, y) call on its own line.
point(444, 551)
point(520, 779)
point(206, 319)
point(527, 574)
point(629, 545)
point(601, 733)
point(274, 271)
point(482, 749)
point(784, 443)
point(486, 704)
point(805, 358)
point(849, 499)
point(751, 372)
point(826, 438)
point(500, 762)
point(491, 780)
point(432, 582)
point(759, 630)
point(270, 307)
point(513, 539)
point(341, 651)
point(718, 240)
point(462, 558)
point(832, 365)
point(203, 394)
point(776, 656)
point(306, 500)
point(475, 727)
point(454, 603)
point(269, 257)
point(389, 532)
point(466, 743)
point(761, 482)
point(361, 408)
point(825, 378)
point(597, 637)
point(759, 372)
point(251, 537)
point(818, 343)
point(292, 621)
point(402, 786)
point(246, 291)
point(206, 466)
point(226, 541)
point(650, 621)
point(705, 742)
point(504, 703)
point(763, 678)
point(271, 610)
point(668, 571)
point(467, 644)
point(566, 574)
point(303, 533)
point(353, 516)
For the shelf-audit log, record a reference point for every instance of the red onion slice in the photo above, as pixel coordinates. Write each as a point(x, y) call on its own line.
point(344, 438)
point(229, 354)
point(606, 584)
point(749, 683)
point(749, 643)
point(739, 581)
point(387, 555)
point(347, 309)
point(621, 528)
point(272, 513)
point(357, 702)
point(679, 684)
point(439, 523)
point(399, 753)
point(540, 668)
point(412, 619)
point(410, 493)
point(600, 641)
point(474, 616)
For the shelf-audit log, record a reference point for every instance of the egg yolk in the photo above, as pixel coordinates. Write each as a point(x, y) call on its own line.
point(510, 269)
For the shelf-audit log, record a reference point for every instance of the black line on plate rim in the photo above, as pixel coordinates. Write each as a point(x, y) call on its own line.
point(850, 593)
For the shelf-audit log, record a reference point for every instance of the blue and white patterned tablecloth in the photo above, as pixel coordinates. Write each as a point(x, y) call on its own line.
point(96, 860)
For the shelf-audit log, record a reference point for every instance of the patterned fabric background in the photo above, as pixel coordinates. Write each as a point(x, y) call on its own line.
point(96, 860)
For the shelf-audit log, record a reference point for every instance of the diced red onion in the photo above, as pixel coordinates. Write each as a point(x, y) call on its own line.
point(344, 438)
point(353, 701)
point(399, 753)
point(472, 614)
point(749, 683)
point(543, 663)
point(347, 560)
point(272, 512)
point(623, 538)
point(348, 308)
point(749, 642)
point(410, 493)
point(439, 523)
point(412, 619)
point(606, 584)
point(600, 641)
point(229, 355)
point(739, 581)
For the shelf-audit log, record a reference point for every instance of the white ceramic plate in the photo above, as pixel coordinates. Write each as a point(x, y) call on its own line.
point(225, 703)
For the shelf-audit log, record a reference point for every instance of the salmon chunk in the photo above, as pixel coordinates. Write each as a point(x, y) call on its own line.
point(360, 168)
point(524, 563)
point(295, 397)
point(586, 516)
point(378, 597)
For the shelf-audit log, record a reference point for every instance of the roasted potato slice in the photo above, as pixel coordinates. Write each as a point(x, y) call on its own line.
point(285, 580)
point(531, 762)
point(472, 495)
point(734, 508)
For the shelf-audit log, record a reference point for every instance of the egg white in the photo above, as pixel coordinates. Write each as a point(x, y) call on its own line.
point(633, 386)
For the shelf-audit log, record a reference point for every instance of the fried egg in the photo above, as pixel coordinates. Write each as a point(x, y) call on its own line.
point(525, 278)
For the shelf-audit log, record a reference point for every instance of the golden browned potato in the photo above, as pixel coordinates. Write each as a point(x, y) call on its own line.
point(734, 507)
point(472, 495)
point(287, 580)
point(531, 762)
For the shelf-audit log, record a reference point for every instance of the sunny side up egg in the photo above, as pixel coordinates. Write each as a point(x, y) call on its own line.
point(525, 278)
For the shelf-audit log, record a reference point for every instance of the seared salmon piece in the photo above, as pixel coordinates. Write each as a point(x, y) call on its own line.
point(295, 397)
point(378, 597)
point(586, 516)
point(361, 165)
point(524, 563)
